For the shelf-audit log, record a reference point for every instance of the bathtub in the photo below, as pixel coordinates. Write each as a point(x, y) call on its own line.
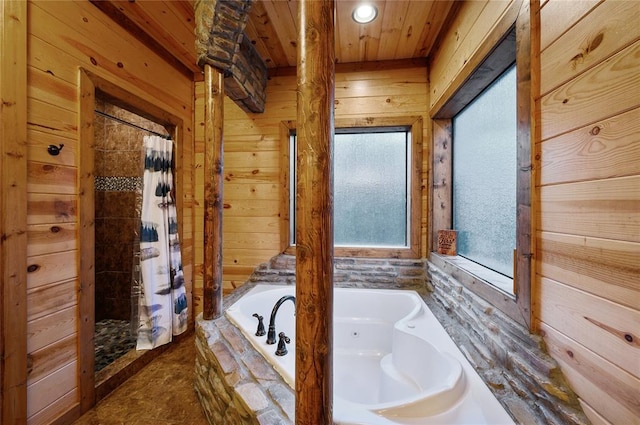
point(393, 363)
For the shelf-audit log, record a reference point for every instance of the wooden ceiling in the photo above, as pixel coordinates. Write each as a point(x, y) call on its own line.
point(402, 30)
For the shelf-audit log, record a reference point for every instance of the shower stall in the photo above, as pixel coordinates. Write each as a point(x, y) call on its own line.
point(118, 170)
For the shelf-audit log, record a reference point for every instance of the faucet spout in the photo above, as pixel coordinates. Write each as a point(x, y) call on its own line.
point(271, 334)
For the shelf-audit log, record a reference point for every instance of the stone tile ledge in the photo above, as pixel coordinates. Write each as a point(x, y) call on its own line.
point(512, 361)
point(235, 384)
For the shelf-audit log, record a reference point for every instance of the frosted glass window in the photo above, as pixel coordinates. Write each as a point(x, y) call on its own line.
point(484, 176)
point(370, 189)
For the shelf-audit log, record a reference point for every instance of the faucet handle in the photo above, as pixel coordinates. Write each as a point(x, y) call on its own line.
point(283, 340)
point(260, 331)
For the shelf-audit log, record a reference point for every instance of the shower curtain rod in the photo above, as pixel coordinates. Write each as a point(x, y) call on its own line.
point(130, 124)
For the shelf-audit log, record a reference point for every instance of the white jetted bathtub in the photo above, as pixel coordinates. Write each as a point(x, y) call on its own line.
point(393, 362)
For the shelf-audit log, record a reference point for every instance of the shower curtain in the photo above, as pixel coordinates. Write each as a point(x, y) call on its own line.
point(162, 304)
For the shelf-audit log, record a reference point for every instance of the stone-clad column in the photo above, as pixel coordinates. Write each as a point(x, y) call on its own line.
point(222, 43)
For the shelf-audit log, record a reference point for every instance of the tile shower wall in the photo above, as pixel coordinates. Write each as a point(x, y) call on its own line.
point(118, 179)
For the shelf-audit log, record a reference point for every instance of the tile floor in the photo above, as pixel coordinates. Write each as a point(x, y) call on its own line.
point(160, 394)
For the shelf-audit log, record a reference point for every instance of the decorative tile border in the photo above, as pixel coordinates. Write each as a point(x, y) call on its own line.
point(117, 184)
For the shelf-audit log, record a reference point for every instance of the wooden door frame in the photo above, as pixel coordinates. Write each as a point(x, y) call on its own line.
point(13, 213)
point(89, 83)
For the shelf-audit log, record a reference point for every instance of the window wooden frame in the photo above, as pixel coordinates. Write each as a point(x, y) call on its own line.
point(515, 42)
point(414, 124)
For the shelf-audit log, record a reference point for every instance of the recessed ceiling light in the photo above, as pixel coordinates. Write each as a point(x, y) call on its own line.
point(364, 13)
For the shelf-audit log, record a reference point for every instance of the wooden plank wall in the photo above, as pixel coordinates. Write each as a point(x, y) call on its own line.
point(586, 291)
point(588, 238)
point(476, 28)
point(252, 185)
point(63, 37)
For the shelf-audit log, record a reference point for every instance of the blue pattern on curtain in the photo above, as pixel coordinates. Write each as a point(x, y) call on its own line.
point(163, 300)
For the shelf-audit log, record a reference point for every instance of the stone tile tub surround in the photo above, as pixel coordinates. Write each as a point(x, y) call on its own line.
point(382, 336)
point(237, 386)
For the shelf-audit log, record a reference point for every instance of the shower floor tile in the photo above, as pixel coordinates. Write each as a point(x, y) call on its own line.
point(112, 340)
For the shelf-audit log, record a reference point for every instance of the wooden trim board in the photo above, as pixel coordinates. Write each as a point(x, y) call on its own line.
point(13, 212)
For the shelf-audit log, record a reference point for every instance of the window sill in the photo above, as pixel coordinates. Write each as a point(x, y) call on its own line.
point(487, 284)
point(488, 276)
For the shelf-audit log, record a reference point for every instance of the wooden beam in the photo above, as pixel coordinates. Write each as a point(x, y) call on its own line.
point(314, 213)
point(13, 212)
point(213, 154)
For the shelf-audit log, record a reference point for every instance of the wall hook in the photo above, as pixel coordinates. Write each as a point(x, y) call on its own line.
point(54, 150)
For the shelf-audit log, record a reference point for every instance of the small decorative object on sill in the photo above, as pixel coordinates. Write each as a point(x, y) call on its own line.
point(447, 242)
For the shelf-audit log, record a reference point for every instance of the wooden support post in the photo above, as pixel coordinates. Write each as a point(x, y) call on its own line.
point(213, 152)
point(314, 213)
point(13, 213)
